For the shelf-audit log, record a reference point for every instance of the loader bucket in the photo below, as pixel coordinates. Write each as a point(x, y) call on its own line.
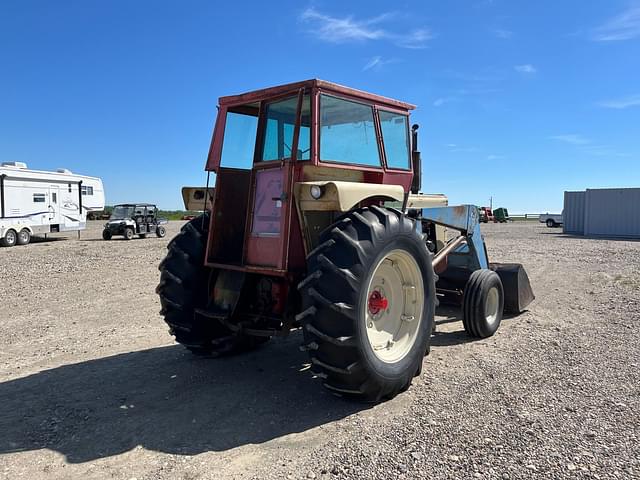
point(517, 289)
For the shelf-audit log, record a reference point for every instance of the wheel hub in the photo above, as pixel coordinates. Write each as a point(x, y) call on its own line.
point(395, 300)
point(377, 302)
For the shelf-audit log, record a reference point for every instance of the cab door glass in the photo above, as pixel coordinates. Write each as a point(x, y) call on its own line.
point(280, 121)
point(239, 139)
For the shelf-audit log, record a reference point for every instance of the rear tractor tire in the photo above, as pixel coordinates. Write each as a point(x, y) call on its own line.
point(160, 231)
point(128, 233)
point(368, 304)
point(184, 287)
point(482, 303)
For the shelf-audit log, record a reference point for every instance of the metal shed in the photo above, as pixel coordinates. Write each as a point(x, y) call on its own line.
point(606, 212)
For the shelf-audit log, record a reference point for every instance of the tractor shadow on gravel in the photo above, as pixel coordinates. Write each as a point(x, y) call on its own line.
point(167, 400)
point(444, 336)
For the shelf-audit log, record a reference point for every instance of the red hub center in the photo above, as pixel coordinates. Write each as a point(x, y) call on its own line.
point(377, 302)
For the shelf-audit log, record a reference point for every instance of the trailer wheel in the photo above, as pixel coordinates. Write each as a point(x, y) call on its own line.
point(368, 304)
point(106, 234)
point(482, 303)
point(550, 223)
point(10, 238)
point(184, 287)
point(24, 237)
point(128, 233)
point(160, 231)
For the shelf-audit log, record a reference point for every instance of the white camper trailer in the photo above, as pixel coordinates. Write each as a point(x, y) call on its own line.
point(34, 202)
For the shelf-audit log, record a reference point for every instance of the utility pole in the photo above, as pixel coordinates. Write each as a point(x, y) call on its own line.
point(491, 203)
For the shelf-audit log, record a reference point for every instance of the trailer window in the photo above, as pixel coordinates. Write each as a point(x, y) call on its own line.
point(395, 137)
point(280, 121)
point(39, 198)
point(347, 132)
point(86, 190)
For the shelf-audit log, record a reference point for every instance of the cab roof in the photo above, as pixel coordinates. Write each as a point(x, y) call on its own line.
point(266, 93)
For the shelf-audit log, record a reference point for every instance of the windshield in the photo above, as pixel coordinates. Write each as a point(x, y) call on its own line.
point(121, 212)
point(347, 132)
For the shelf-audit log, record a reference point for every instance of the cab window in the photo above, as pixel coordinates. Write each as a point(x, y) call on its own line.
point(395, 137)
point(280, 121)
point(240, 137)
point(347, 132)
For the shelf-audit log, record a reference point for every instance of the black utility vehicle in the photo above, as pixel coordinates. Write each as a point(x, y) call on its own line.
point(131, 219)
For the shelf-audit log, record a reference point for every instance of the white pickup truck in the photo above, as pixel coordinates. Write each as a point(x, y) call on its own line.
point(551, 219)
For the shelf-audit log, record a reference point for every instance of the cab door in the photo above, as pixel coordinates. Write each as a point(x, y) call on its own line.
point(271, 205)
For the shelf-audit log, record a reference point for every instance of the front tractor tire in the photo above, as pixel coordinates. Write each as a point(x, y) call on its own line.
point(368, 304)
point(482, 303)
point(184, 287)
point(106, 234)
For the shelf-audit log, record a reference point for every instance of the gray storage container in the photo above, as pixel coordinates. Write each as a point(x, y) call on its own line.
point(573, 213)
point(612, 212)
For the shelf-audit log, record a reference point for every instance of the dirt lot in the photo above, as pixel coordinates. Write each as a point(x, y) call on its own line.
point(92, 386)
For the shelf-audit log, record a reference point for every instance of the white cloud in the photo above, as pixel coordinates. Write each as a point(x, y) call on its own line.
point(572, 138)
point(603, 151)
point(438, 102)
point(349, 29)
point(377, 63)
point(502, 33)
point(526, 68)
point(624, 26)
point(620, 103)
point(495, 157)
point(465, 149)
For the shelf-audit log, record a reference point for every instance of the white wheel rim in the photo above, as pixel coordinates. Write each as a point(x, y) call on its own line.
point(23, 236)
point(491, 305)
point(394, 305)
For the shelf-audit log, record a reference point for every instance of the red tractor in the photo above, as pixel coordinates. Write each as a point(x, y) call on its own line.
point(317, 224)
point(486, 215)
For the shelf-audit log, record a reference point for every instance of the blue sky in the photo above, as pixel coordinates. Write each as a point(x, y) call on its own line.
point(517, 99)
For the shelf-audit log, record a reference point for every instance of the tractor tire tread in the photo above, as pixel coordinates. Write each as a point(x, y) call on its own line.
point(328, 317)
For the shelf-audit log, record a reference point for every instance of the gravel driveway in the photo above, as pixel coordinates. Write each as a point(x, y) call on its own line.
point(92, 386)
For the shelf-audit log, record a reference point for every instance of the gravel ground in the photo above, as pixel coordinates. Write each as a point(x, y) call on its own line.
point(92, 386)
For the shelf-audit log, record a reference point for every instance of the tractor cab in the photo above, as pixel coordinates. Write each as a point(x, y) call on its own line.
point(282, 156)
